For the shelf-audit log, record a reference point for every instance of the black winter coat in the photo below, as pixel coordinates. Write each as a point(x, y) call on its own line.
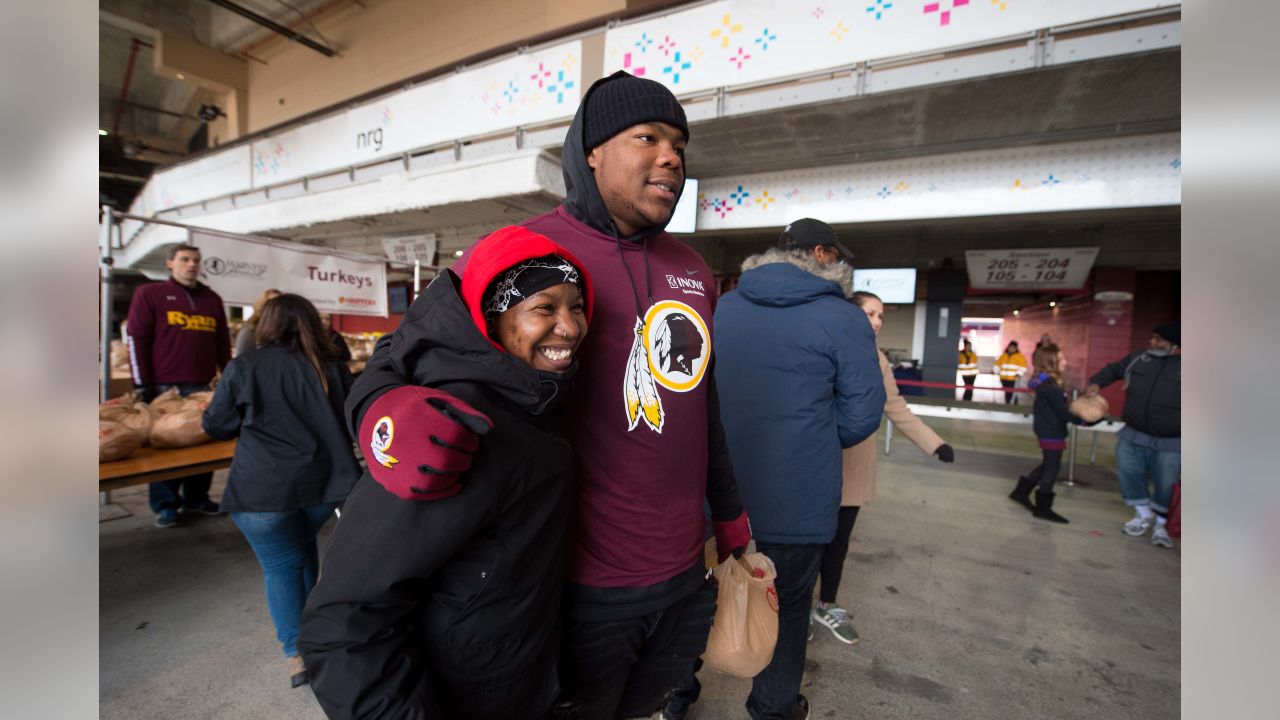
point(449, 608)
point(1152, 391)
point(293, 450)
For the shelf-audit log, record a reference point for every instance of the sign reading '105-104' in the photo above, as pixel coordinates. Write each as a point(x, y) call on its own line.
point(1030, 268)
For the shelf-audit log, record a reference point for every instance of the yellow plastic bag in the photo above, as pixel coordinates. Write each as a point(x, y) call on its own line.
point(746, 622)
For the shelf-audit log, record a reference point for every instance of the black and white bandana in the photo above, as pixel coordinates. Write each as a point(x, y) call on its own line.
point(528, 278)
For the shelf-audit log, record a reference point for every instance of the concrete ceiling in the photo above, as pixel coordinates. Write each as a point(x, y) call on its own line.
point(1127, 95)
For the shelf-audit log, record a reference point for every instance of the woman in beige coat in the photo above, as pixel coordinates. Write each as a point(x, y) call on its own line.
point(860, 482)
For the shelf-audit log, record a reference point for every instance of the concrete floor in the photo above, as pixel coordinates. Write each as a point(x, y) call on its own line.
point(966, 605)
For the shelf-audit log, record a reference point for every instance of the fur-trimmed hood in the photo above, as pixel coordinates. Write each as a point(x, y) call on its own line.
point(783, 278)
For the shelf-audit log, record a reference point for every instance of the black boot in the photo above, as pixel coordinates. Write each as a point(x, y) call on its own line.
point(1022, 493)
point(1044, 508)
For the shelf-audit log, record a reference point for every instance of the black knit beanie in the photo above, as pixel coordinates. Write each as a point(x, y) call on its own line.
point(1170, 331)
point(625, 100)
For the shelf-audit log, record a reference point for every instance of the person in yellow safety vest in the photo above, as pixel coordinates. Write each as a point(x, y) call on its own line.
point(1010, 366)
point(967, 366)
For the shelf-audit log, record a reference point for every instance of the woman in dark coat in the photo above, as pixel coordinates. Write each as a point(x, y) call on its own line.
point(450, 608)
point(294, 461)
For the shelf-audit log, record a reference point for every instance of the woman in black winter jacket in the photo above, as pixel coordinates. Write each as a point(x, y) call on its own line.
point(293, 462)
point(449, 608)
point(1049, 420)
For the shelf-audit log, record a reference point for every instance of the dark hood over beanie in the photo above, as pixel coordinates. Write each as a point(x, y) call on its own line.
point(1170, 331)
point(612, 104)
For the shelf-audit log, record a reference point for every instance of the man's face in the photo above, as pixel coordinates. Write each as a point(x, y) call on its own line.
point(185, 266)
point(1159, 343)
point(640, 172)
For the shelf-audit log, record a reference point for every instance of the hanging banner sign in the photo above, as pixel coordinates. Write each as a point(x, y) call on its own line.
point(1030, 268)
point(239, 270)
point(408, 248)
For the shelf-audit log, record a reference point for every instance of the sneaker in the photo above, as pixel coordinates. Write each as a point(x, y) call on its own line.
point(204, 507)
point(801, 710)
point(1137, 526)
point(1160, 537)
point(810, 638)
point(167, 518)
point(836, 619)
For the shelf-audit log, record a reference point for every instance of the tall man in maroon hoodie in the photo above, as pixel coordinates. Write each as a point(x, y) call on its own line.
point(178, 337)
point(648, 444)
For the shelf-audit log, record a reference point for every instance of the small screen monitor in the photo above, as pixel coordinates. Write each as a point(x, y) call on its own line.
point(685, 217)
point(398, 299)
point(895, 286)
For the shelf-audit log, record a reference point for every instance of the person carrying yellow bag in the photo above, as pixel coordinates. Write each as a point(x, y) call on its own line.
point(1010, 366)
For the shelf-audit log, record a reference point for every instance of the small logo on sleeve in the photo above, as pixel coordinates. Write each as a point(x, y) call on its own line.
point(383, 431)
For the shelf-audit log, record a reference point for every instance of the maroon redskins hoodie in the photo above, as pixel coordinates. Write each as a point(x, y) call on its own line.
point(176, 334)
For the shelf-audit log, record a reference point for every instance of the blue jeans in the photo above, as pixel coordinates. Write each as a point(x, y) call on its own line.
point(285, 543)
point(775, 690)
point(184, 491)
point(1135, 462)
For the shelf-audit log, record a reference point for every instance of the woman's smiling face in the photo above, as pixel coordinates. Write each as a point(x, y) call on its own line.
point(545, 329)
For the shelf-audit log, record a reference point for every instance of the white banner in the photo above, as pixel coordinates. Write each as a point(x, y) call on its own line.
point(1030, 268)
point(239, 270)
point(526, 89)
point(738, 42)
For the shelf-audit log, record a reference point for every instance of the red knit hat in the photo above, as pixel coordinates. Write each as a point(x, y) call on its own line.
point(501, 250)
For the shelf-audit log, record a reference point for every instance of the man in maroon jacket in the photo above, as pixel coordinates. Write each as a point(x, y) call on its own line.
point(178, 337)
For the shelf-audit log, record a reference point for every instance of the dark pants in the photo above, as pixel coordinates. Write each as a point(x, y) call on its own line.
point(1046, 473)
point(1008, 396)
point(628, 668)
point(969, 380)
point(774, 692)
point(833, 555)
point(184, 491)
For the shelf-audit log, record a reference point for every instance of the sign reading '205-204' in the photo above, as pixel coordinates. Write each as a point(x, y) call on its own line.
point(1030, 268)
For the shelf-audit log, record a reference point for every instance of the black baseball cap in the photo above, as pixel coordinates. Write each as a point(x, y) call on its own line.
point(807, 233)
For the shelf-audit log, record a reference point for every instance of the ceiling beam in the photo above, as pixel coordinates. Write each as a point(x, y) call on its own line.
point(274, 26)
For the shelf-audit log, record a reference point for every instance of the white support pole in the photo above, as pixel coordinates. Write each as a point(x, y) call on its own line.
point(417, 278)
point(105, 262)
point(888, 437)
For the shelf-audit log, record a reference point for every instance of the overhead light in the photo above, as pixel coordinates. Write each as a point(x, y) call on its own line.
point(181, 76)
point(457, 253)
point(1053, 303)
point(102, 132)
point(1016, 313)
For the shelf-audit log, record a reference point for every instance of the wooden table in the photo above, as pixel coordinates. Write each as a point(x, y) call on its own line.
point(150, 465)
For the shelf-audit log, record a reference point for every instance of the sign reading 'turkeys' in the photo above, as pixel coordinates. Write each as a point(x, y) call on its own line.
point(1030, 268)
point(241, 269)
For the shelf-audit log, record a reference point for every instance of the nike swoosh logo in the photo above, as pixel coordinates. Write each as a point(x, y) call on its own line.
point(691, 272)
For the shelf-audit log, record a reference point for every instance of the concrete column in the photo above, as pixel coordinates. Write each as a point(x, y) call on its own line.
point(944, 290)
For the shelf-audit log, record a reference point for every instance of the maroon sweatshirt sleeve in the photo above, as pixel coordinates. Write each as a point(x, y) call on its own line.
point(141, 333)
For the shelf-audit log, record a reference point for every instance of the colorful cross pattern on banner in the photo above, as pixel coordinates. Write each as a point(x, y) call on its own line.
point(1112, 173)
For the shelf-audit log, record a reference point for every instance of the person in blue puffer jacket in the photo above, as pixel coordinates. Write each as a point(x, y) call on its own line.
point(799, 380)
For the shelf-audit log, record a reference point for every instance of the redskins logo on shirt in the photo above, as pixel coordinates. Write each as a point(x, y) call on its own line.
point(671, 348)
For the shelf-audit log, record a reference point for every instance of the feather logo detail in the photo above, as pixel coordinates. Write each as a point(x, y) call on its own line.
point(639, 389)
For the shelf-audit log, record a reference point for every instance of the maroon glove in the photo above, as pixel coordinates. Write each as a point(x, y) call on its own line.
point(732, 536)
point(417, 441)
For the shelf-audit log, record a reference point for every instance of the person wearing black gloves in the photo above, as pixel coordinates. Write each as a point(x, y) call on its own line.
point(449, 608)
point(1150, 443)
point(1049, 418)
point(859, 486)
point(293, 462)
